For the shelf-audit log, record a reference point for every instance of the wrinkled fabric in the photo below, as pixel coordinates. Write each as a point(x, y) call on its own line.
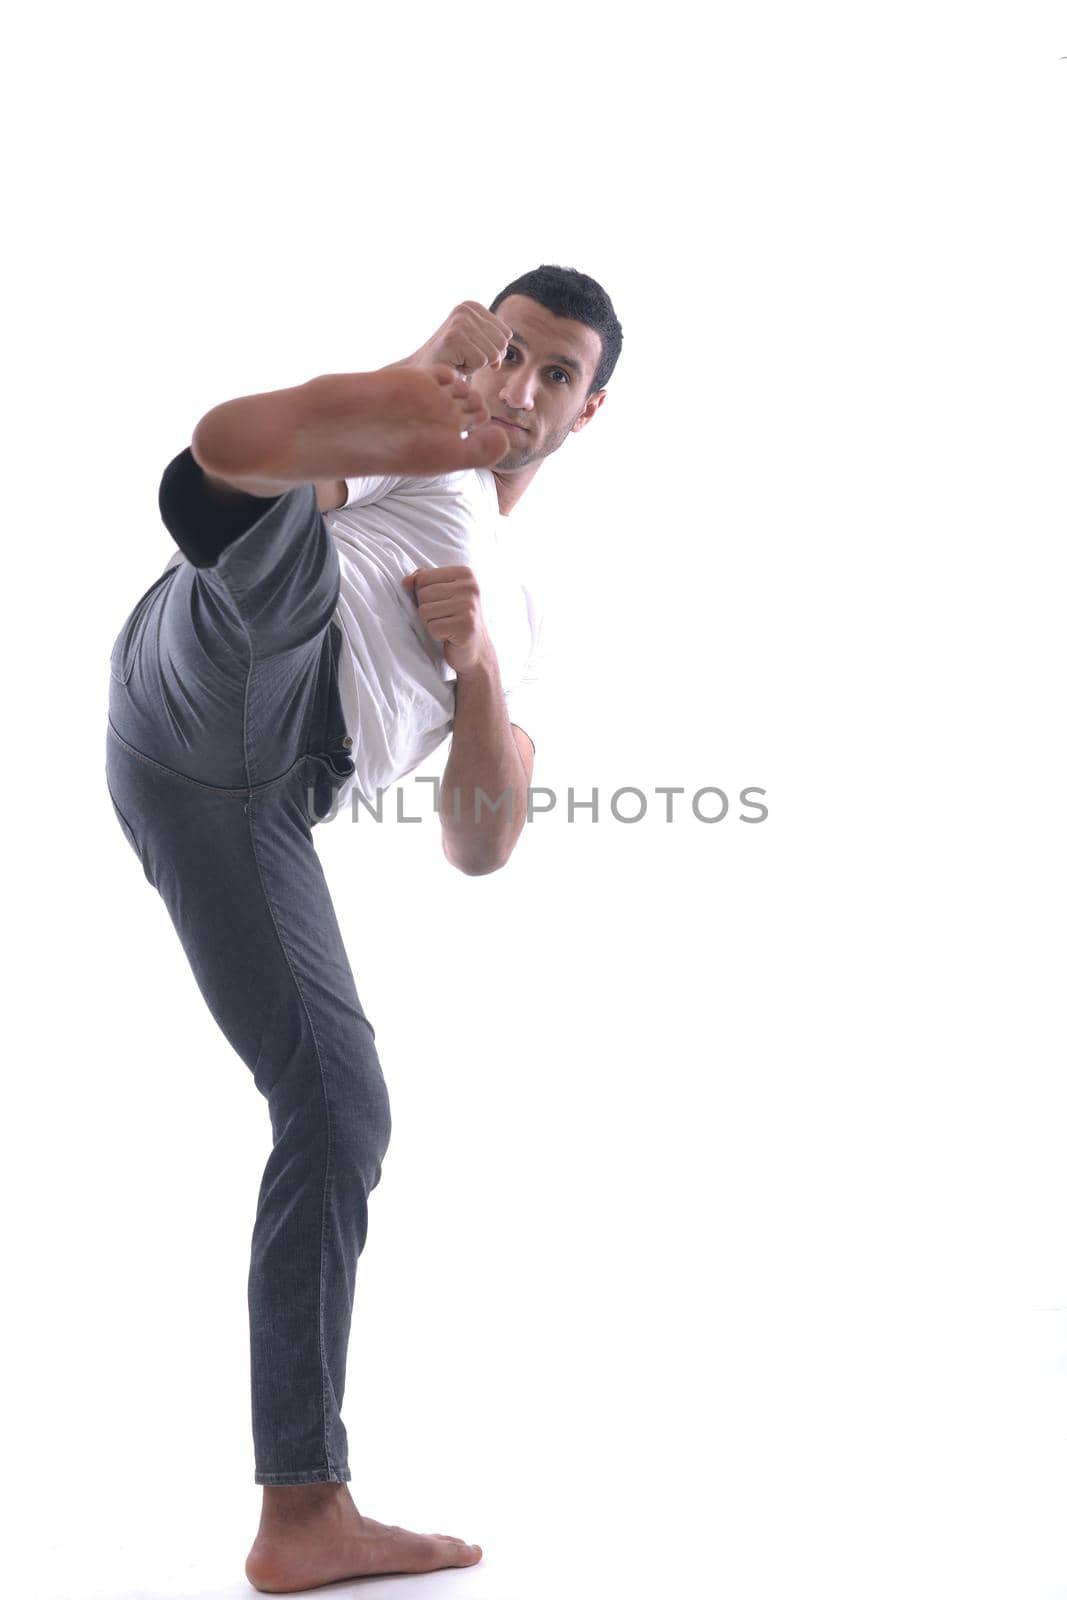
point(225, 744)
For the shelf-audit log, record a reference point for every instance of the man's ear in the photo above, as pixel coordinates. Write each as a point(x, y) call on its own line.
point(589, 410)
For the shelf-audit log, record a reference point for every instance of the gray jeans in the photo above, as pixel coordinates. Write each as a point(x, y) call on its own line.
point(225, 743)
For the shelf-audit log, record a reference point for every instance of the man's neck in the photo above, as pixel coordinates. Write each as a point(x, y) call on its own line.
point(511, 486)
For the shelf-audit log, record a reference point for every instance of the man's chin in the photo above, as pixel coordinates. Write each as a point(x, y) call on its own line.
point(515, 459)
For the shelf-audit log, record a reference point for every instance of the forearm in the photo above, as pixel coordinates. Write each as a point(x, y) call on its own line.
point(286, 437)
point(484, 769)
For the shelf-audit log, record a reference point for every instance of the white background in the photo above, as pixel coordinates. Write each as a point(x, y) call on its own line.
point(721, 1246)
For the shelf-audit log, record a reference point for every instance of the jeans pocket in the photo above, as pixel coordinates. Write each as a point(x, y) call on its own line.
point(327, 771)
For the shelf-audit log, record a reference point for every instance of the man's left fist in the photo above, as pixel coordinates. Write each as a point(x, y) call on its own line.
point(449, 605)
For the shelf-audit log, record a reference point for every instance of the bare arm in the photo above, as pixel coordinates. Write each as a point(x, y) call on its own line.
point(483, 797)
point(470, 337)
point(490, 755)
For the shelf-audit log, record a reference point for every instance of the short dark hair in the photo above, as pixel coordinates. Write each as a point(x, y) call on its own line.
point(568, 293)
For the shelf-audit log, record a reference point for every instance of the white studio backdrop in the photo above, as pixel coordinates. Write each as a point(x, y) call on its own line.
point(721, 1245)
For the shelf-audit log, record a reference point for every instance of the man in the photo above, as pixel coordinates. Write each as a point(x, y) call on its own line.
point(341, 602)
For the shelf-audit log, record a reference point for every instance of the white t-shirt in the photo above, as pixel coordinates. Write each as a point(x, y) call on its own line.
point(397, 690)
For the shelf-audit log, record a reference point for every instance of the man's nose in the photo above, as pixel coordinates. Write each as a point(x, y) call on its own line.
point(517, 391)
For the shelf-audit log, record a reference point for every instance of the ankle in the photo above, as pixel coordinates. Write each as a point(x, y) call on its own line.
point(287, 1501)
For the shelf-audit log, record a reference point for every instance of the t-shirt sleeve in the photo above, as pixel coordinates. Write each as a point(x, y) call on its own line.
point(365, 491)
point(523, 699)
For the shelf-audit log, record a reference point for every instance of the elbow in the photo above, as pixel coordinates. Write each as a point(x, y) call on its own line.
point(475, 865)
point(482, 869)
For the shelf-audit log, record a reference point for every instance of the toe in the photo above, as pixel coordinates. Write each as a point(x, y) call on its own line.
point(450, 1538)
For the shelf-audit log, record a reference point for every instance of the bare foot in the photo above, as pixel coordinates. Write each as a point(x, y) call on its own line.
point(408, 420)
point(311, 1534)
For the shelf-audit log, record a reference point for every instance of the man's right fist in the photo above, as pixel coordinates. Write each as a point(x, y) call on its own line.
point(469, 338)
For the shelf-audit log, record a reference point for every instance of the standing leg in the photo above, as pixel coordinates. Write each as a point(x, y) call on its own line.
point(240, 877)
point(224, 712)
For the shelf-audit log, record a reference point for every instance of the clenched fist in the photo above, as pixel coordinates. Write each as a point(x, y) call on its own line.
point(449, 605)
point(469, 338)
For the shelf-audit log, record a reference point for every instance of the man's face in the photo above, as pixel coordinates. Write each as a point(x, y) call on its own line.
point(541, 386)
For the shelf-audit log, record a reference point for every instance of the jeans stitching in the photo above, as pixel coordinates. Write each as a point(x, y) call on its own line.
point(253, 791)
point(328, 1170)
point(341, 1474)
point(247, 731)
point(247, 727)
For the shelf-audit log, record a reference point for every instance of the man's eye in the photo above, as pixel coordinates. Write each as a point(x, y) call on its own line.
point(565, 376)
point(510, 351)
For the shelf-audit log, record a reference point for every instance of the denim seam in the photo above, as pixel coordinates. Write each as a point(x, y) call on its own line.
point(329, 1125)
point(248, 730)
point(234, 597)
point(252, 791)
point(343, 1475)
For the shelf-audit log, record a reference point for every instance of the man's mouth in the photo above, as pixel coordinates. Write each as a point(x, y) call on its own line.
point(517, 425)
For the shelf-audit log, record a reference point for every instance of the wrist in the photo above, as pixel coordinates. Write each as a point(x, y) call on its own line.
point(407, 361)
point(484, 668)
